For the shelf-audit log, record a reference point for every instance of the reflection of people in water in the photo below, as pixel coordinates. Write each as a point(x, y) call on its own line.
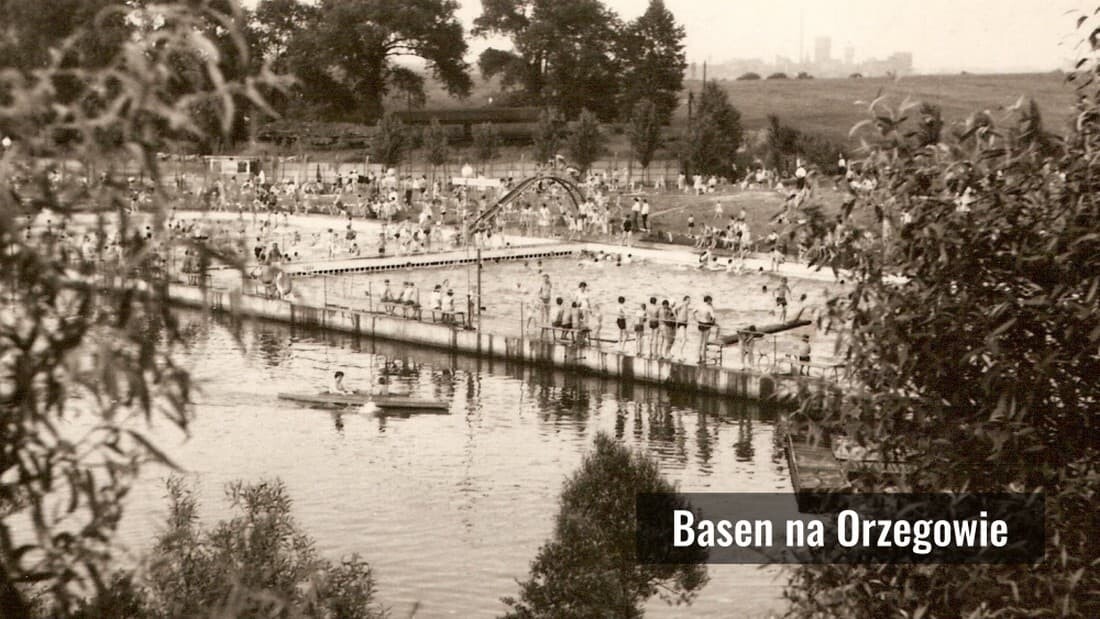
point(743, 449)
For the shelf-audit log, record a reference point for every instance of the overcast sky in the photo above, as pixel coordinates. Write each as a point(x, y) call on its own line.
point(943, 35)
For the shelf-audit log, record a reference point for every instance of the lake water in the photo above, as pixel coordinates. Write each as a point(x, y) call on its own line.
point(448, 509)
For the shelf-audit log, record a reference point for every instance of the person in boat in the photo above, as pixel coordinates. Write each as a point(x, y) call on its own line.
point(338, 386)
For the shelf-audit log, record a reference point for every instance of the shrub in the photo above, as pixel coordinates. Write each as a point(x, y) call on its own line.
point(971, 330)
point(748, 76)
point(257, 563)
point(589, 568)
point(778, 76)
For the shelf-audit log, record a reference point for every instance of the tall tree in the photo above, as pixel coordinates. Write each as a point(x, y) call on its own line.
point(345, 58)
point(486, 142)
point(33, 28)
point(436, 143)
point(586, 142)
point(653, 60)
point(780, 144)
point(547, 136)
point(91, 338)
point(390, 141)
point(564, 52)
point(645, 132)
point(278, 24)
point(714, 134)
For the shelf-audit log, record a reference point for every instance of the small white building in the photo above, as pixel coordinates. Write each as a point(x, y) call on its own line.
point(229, 165)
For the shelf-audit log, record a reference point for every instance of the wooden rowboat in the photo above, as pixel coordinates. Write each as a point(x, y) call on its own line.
point(344, 400)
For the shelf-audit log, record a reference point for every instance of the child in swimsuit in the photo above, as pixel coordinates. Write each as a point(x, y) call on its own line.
point(781, 294)
point(668, 326)
point(620, 322)
point(639, 329)
point(654, 320)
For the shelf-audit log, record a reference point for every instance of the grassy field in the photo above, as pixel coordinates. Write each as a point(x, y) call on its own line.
point(826, 107)
point(830, 107)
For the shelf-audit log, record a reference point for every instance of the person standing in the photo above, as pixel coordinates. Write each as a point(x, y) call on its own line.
point(636, 214)
point(545, 296)
point(782, 293)
point(681, 311)
point(804, 356)
point(668, 327)
point(639, 329)
point(620, 322)
point(653, 320)
point(628, 232)
point(705, 318)
point(645, 215)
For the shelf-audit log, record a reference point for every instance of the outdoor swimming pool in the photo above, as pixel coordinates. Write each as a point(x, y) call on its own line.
point(509, 291)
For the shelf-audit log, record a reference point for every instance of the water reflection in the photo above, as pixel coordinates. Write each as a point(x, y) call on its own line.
point(450, 509)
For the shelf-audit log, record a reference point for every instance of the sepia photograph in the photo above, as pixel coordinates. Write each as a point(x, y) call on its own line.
point(549, 309)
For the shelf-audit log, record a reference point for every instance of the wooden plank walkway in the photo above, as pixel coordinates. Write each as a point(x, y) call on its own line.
point(814, 468)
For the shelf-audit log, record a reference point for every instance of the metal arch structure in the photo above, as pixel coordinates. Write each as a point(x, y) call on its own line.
point(576, 196)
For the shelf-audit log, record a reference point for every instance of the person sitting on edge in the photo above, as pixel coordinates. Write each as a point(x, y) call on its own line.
point(387, 293)
point(338, 385)
point(557, 318)
point(449, 305)
point(408, 297)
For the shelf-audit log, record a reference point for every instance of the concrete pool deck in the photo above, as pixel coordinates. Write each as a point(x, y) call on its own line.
point(747, 384)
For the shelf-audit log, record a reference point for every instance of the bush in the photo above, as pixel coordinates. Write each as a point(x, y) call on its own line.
point(589, 568)
point(253, 565)
point(802, 75)
point(978, 361)
point(778, 76)
point(748, 76)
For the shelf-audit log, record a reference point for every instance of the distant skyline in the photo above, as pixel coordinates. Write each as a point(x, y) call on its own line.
point(942, 35)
